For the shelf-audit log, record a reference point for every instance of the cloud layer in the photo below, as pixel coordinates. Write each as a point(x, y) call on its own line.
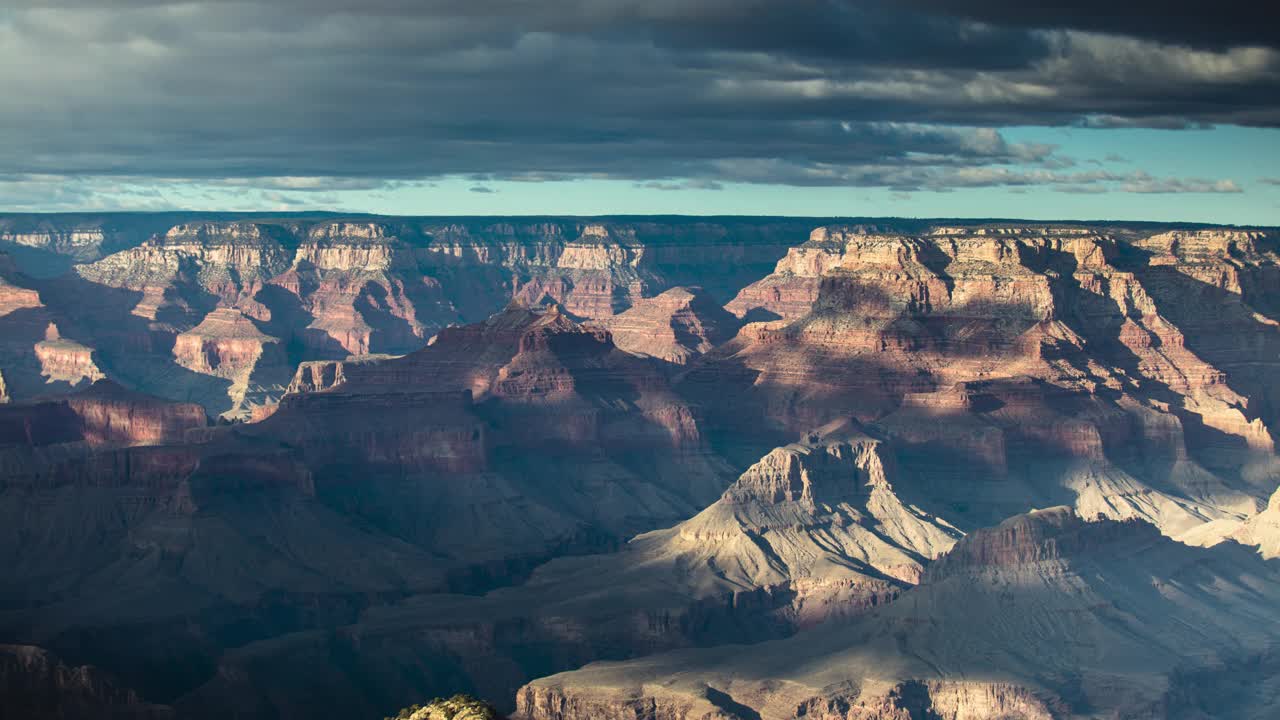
point(910, 95)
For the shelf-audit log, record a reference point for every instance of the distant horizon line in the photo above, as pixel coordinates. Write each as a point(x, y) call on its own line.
point(302, 214)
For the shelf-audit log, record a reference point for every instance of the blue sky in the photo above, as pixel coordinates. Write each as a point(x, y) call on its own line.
point(1246, 157)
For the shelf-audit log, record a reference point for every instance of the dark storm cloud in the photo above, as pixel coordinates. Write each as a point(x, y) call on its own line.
point(1191, 22)
point(806, 92)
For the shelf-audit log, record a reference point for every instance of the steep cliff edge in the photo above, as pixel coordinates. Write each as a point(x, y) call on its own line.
point(110, 415)
point(102, 415)
point(48, 245)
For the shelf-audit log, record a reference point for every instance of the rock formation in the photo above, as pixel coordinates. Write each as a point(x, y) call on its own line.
point(30, 356)
point(67, 361)
point(50, 244)
point(148, 561)
point(458, 707)
point(1044, 616)
point(14, 297)
point(676, 326)
point(227, 344)
point(1002, 348)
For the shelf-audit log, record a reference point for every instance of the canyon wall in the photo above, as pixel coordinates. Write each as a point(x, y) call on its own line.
point(155, 296)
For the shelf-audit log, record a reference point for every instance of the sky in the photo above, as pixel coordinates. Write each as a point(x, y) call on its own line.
point(914, 108)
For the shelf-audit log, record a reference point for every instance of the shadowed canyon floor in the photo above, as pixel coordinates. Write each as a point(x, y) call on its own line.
point(739, 468)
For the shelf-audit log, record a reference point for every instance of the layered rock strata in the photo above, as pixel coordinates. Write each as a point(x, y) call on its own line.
point(332, 288)
point(1002, 348)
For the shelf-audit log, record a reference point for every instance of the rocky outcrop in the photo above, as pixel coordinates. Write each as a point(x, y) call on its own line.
point(1043, 617)
point(675, 326)
point(903, 701)
point(1051, 535)
point(791, 290)
point(317, 376)
point(79, 244)
point(458, 707)
point(227, 344)
point(224, 343)
point(64, 360)
point(50, 244)
point(32, 355)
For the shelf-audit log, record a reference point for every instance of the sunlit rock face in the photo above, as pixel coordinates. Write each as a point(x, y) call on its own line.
point(1044, 616)
point(1050, 364)
point(675, 326)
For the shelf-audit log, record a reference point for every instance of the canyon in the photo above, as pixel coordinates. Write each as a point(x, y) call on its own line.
point(724, 468)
